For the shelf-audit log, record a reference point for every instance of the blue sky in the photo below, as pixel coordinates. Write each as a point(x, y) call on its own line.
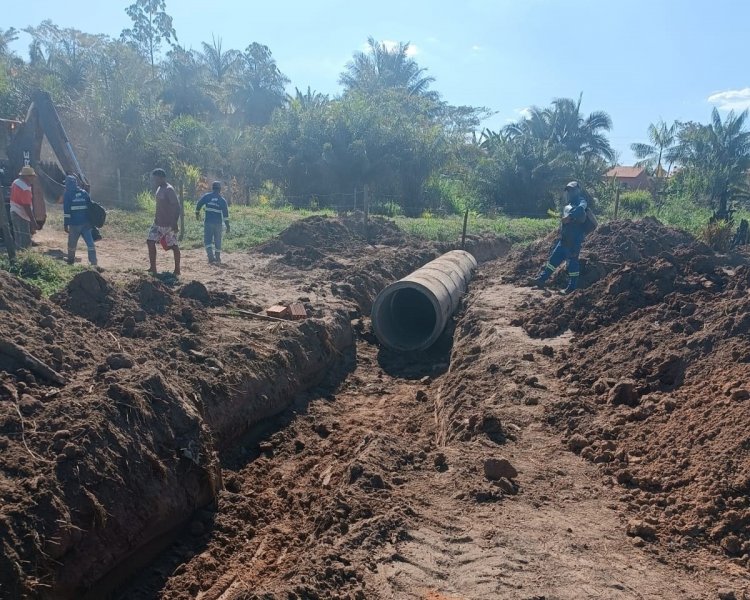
point(640, 61)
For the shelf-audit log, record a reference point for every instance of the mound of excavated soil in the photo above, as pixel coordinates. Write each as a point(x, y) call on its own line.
point(611, 246)
point(660, 395)
point(339, 235)
point(689, 268)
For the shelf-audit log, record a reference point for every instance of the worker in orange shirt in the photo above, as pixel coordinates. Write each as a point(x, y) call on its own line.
point(21, 208)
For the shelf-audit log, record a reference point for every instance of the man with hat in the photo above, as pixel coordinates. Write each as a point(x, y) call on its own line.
point(217, 213)
point(21, 208)
point(572, 231)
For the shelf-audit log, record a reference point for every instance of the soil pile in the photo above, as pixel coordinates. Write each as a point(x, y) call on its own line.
point(339, 235)
point(610, 247)
point(660, 398)
point(689, 268)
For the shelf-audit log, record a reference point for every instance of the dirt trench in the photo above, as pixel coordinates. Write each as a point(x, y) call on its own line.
point(375, 485)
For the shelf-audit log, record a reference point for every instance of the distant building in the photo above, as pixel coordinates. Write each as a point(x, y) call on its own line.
point(629, 178)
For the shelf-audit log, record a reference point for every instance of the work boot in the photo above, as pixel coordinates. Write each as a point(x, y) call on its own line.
point(217, 258)
point(542, 278)
point(572, 285)
point(71, 257)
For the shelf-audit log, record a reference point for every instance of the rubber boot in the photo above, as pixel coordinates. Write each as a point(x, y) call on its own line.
point(217, 257)
point(542, 278)
point(210, 254)
point(572, 285)
point(71, 256)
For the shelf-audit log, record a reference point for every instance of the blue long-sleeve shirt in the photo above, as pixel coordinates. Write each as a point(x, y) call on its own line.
point(573, 232)
point(216, 208)
point(75, 203)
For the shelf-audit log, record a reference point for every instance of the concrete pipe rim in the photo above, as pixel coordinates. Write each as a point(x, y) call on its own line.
point(381, 322)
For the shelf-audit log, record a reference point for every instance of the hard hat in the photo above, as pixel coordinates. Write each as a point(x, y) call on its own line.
point(27, 171)
point(573, 185)
point(216, 185)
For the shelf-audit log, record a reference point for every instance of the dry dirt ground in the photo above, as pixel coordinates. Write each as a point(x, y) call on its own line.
point(453, 474)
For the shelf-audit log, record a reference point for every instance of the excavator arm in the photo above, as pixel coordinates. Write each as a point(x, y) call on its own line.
point(25, 148)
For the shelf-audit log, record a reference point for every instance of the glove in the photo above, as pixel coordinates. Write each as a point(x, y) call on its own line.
point(227, 224)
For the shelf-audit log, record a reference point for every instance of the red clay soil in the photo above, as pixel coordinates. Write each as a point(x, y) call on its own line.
point(611, 246)
point(125, 449)
point(659, 392)
point(117, 395)
point(431, 476)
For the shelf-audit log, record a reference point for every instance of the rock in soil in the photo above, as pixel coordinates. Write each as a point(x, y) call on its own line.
point(497, 468)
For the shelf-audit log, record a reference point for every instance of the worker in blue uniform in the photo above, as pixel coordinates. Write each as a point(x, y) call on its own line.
point(217, 215)
point(76, 203)
point(573, 230)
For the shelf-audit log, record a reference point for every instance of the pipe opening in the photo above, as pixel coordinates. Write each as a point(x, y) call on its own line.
point(406, 318)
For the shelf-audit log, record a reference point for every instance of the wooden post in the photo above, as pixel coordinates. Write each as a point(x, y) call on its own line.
point(463, 235)
point(617, 201)
point(10, 244)
point(366, 207)
point(182, 211)
point(119, 189)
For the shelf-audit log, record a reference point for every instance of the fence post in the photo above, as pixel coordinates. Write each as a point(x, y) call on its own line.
point(10, 243)
point(617, 201)
point(366, 207)
point(182, 211)
point(463, 235)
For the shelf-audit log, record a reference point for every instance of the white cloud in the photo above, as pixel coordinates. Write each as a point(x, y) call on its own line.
point(390, 45)
point(520, 113)
point(476, 48)
point(731, 99)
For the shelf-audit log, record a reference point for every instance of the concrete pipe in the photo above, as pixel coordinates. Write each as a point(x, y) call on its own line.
point(412, 313)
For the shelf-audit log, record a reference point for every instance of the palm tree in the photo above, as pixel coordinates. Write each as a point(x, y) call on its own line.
point(7, 37)
point(311, 101)
point(662, 139)
point(386, 68)
point(219, 63)
point(563, 125)
point(182, 89)
point(260, 85)
point(719, 155)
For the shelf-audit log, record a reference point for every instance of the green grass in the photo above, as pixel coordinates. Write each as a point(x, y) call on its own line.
point(250, 226)
point(446, 229)
point(48, 274)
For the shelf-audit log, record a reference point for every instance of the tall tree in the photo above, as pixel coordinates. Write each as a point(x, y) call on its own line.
point(151, 26)
point(219, 62)
point(183, 89)
point(563, 124)
point(660, 149)
point(260, 85)
point(382, 68)
point(718, 154)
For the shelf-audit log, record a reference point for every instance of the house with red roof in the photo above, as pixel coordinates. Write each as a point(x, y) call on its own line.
point(629, 178)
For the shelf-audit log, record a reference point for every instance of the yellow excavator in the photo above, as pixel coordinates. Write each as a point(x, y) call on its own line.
point(21, 144)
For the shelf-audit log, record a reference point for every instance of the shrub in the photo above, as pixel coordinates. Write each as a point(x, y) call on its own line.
point(145, 201)
point(718, 235)
point(637, 202)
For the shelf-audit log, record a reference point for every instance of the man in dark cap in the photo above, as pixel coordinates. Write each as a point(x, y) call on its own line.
point(573, 229)
point(217, 214)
